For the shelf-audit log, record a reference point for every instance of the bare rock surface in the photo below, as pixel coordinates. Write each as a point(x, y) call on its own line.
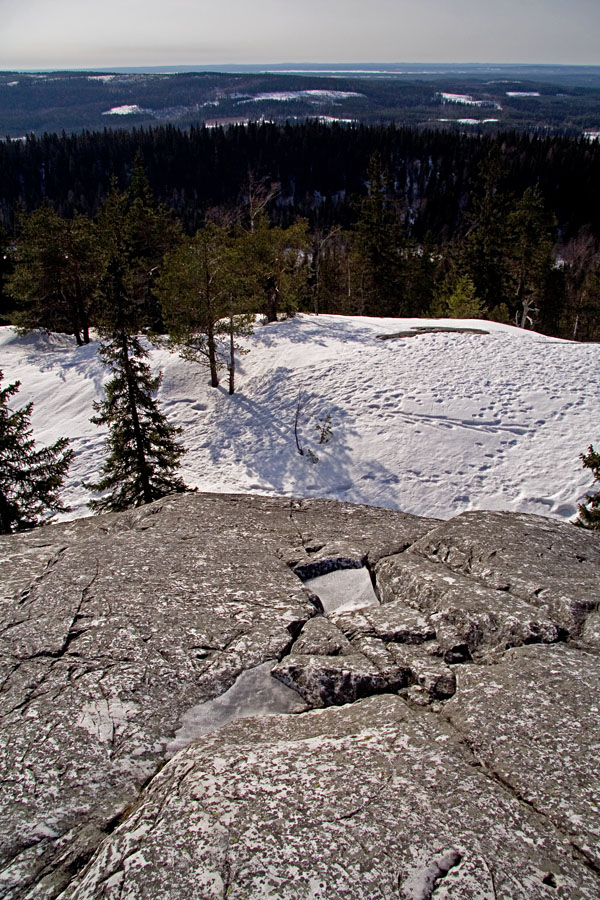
point(541, 704)
point(369, 801)
point(551, 565)
point(193, 629)
point(469, 618)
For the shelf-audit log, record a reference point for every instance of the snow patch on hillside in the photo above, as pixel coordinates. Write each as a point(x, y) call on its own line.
point(432, 424)
point(127, 110)
point(315, 95)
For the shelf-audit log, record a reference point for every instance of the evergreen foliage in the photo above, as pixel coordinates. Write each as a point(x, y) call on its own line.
point(205, 289)
point(372, 226)
point(30, 479)
point(589, 512)
point(137, 232)
point(529, 256)
point(6, 302)
point(379, 242)
point(142, 449)
point(57, 266)
point(143, 452)
point(456, 298)
point(277, 260)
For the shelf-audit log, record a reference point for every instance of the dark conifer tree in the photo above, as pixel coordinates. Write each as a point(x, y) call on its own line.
point(142, 449)
point(482, 253)
point(589, 512)
point(379, 245)
point(143, 452)
point(30, 479)
point(529, 256)
point(6, 303)
point(57, 266)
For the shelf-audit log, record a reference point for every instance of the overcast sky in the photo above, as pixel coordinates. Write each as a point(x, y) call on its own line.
point(105, 33)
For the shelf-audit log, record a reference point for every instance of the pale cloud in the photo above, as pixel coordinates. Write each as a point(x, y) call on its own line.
point(80, 33)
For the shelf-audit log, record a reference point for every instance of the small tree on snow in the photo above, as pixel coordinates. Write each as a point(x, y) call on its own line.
point(589, 512)
point(142, 449)
point(143, 453)
point(30, 479)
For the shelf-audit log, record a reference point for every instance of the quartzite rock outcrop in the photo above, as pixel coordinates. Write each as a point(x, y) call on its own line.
point(442, 744)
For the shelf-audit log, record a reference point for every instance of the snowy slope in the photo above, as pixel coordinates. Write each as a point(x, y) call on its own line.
point(432, 424)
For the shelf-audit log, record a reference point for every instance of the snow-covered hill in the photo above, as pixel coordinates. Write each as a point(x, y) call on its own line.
point(432, 424)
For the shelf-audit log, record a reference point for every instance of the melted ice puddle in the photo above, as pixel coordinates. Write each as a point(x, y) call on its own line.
point(344, 589)
point(254, 693)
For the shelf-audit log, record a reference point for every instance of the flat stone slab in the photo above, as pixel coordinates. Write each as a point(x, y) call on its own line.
point(372, 801)
point(321, 637)
point(395, 621)
point(113, 628)
point(329, 530)
point(540, 705)
point(550, 564)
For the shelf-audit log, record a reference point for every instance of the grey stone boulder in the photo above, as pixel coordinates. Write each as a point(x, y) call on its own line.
point(332, 680)
point(371, 801)
point(469, 618)
point(126, 622)
point(406, 665)
point(332, 557)
point(327, 528)
point(549, 564)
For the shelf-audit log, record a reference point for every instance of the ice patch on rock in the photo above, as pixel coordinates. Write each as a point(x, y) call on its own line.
point(254, 693)
point(344, 589)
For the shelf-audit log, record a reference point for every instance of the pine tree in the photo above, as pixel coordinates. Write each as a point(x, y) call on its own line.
point(529, 256)
point(143, 452)
point(456, 298)
point(589, 512)
point(195, 288)
point(57, 266)
point(276, 259)
point(30, 479)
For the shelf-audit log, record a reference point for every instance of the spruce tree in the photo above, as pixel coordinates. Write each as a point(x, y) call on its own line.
point(30, 479)
point(589, 512)
point(529, 256)
point(142, 449)
point(143, 452)
point(379, 245)
point(6, 303)
point(456, 298)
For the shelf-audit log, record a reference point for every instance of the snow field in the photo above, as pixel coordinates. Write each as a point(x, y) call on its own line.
point(433, 424)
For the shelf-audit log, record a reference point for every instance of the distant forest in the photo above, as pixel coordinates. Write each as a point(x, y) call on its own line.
point(396, 221)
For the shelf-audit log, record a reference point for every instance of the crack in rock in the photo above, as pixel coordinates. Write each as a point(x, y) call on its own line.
point(423, 883)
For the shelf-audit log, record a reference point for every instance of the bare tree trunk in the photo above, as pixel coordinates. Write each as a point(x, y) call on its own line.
point(231, 357)
point(299, 406)
point(210, 335)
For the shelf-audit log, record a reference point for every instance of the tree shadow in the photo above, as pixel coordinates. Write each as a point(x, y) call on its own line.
point(256, 437)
